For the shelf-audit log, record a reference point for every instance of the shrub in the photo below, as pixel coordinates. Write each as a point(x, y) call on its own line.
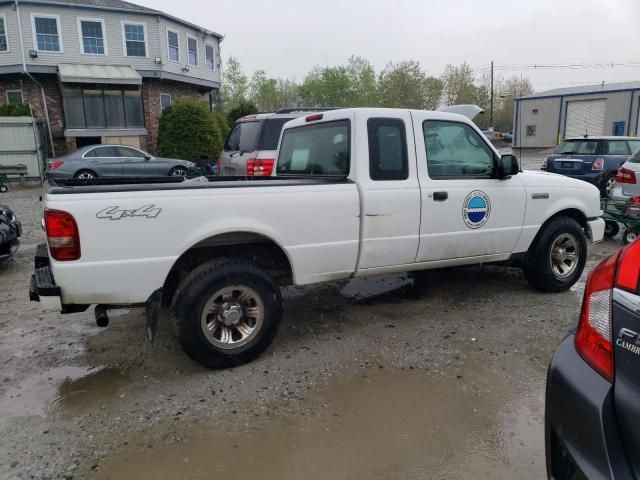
point(20, 110)
point(188, 130)
point(240, 110)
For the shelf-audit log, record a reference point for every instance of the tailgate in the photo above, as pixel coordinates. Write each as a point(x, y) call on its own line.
point(626, 333)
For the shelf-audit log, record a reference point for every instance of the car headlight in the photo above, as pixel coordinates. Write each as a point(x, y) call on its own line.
point(191, 164)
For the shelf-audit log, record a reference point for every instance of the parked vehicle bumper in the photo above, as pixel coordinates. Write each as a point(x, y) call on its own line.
point(581, 431)
point(595, 227)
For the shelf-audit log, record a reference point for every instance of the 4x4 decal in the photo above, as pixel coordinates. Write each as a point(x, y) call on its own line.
point(116, 213)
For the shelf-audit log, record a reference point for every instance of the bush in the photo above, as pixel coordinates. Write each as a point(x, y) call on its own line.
point(20, 110)
point(188, 130)
point(240, 110)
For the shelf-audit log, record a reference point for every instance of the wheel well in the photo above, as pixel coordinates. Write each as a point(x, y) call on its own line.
point(251, 246)
point(85, 170)
point(574, 213)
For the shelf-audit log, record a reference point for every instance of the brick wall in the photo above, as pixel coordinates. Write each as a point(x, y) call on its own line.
point(32, 95)
point(151, 90)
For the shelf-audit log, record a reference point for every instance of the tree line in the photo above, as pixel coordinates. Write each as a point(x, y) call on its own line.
point(402, 84)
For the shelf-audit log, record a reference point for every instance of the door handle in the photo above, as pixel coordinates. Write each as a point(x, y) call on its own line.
point(440, 196)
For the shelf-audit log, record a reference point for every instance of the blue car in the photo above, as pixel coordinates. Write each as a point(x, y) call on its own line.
point(593, 159)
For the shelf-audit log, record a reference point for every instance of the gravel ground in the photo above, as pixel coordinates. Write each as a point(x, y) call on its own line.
point(434, 375)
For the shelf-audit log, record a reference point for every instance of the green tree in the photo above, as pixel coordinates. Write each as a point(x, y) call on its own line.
point(513, 87)
point(242, 108)
point(235, 84)
point(363, 88)
point(188, 129)
point(264, 92)
point(326, 87)
point(402, 85)
point(433, 89)
point(458, 85)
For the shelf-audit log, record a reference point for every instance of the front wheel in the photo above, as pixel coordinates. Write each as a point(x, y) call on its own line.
point(630, 235)
point(4, 188)
point(178, 172)
point(611, 228)
point(557, 257)
point(228, 312)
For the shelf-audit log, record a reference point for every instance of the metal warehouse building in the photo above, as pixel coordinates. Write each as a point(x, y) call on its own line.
point(544, 119)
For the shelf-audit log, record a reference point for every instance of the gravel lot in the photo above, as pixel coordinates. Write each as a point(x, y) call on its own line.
point(437, 375)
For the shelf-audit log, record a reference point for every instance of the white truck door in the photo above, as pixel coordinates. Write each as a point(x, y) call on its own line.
point(466, 210)
point(390, 191)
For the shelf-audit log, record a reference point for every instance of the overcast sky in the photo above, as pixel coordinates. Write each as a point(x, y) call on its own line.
point(287, 38)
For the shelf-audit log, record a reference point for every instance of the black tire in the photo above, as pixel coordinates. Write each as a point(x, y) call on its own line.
point(630, 235)
point(611, 228)
point(604, 191)
point(90, 174)
point(538, 268)
point(178, 172)
point(199, 287)
point(4, 188)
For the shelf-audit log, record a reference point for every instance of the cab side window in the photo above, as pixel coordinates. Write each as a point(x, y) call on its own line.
point(616, 147)
point(130, 153)
point(455, 150)
point(387, 149)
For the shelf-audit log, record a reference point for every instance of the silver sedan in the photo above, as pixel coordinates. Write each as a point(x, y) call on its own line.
point(114, 161)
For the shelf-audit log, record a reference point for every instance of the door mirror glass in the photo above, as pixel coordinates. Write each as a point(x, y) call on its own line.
point(509, 165)
point(147, 157)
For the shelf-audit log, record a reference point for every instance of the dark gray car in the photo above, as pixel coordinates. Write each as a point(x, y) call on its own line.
point(114, 161)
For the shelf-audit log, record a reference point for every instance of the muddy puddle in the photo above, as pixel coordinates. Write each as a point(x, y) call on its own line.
point(64, 389)
point(379, 424)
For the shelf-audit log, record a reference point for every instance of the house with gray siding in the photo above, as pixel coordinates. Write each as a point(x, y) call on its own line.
point(101, 71)
point(544, 119)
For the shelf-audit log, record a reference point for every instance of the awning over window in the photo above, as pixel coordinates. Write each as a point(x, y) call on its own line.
point(121, 75)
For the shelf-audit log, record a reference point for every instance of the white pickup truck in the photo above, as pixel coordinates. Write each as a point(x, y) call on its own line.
point(355, 192)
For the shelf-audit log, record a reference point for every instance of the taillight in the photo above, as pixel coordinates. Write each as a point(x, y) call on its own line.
point(62, 235)
point(544, 164)
point(598, 165)
point(260, 167)
point(313, 118)
point(625, 176)
point(628, 275)
point(56, 164)
point(593, 338)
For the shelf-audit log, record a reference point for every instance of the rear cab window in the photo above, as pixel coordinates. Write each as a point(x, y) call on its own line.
point(577, 147)
point(243, 137)
point(318, 149)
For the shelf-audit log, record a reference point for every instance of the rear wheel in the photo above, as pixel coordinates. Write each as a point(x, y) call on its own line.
point(557, 258)
point(4, 188)
point(85, 175)
point(608, 185)
point(630, 235)
point(228, 312)
point(178, 172)
point(611, 228)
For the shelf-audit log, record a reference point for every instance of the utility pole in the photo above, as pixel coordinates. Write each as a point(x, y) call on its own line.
point(491, 114)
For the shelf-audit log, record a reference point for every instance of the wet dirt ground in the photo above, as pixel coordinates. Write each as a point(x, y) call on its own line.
point(435, 375)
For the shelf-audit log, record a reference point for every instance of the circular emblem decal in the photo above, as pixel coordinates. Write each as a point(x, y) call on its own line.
point(476, 209)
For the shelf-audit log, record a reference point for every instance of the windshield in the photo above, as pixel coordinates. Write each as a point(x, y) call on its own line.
point(577, 147)
point(320, 149)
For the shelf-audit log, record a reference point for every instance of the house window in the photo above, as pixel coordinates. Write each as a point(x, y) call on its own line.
point(4, 44)
point(108, 107)
point(165, 101)
point(92, 36)
point(173, 46)
point(46, 31)
point(530, 131)
point(209, 56)
point(192, 46)
point(14, 97)
point(134, 39)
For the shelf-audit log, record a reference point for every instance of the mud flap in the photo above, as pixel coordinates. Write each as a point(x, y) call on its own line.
point(152, 308)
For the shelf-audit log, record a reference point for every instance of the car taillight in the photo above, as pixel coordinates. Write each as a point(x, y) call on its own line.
point(544, 164)
point(628, 275)
point(593, 338)
point(56, 164)
point(62, 235)
point(625, 176)
point(260, 167)
point(598, 165)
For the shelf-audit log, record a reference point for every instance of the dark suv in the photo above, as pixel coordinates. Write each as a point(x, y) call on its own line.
point(593, 383)
point(250, 148)
point(593, 159)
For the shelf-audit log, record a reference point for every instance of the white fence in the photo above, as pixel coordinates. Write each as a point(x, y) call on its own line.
point(23, 141)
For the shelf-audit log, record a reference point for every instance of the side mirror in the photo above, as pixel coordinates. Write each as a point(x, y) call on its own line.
point(147, 157)
point(508, 165)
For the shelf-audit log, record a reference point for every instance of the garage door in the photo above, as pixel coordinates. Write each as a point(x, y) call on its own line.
point(585, 117)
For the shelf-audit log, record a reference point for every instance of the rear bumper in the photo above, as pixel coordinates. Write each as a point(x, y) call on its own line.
point(581, 429)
